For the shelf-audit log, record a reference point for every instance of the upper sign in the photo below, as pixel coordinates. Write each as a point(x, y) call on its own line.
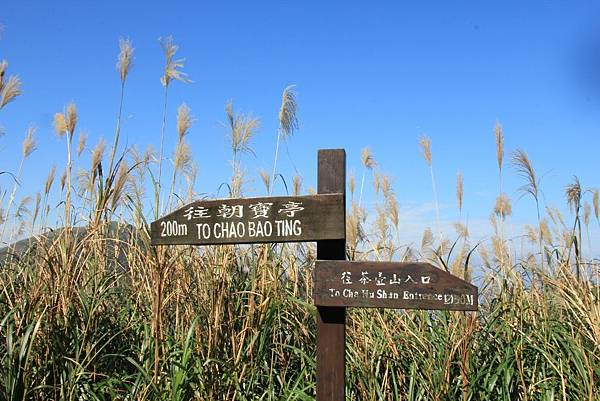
point(390, 285)
point(253, 220)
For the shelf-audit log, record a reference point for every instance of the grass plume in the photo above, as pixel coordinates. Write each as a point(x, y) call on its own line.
point(425, 144)
point(368, 163)
point(96, 312)
point(459, 191)
point(499, 136)
point(288, 122)
point(525, 169)
point(172, 72)
point(64, 124)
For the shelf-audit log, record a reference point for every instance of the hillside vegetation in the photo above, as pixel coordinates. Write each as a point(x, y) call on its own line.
point(93, 312)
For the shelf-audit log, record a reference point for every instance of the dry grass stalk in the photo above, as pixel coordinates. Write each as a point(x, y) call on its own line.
point(525, 169)
point(81, 143)
point(459, 191)
point(36, 211)
point(426, 241)
point(22, 208)
point(71, 119)
point(120, 184)
point(60, 124)
point(531, 233)
point(573, 195)
point(125, 58)
point(11, 89)
point(461, 230)
point(183, 157)
point(84, 181)
point(237, 182)
point(493, 222)
point(383, 232)
point(587, 212)
point(149, 155)
point(49, 180)
point(172, 70)
point(266, 179)
point(65, 123)
point(561, 322)
point(354, 226)
point(596, 203)
point(98, 154)
point(288, 122)
point(63, 180)
point(393, 210)
point(502, 208)
point(184, 120)
point(485, 257)
point(367, 159)
point(457, 267)
point(377, 182)
point(29, 143)
point(425, 144)
point(241, 129)
point(3, 68)
point(369, 163)
point(499, 146)
point(297, 184)
point(386, 185)
point(545, 231)
point(500, 251)
point(27, 147)
point(556, 216)
point(190, 178)
point(288, 119)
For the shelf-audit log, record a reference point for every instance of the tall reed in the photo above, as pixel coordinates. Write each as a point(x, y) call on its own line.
point(172, 72)
point(425, 144)
point(64, 124)
point(288, 123)
point(96, 312)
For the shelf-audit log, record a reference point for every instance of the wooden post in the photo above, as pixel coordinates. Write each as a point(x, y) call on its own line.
point(331, 321)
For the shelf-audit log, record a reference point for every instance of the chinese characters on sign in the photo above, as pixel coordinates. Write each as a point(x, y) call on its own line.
point(382, 280)
point(273, 219)
point(391, 285)
point(259, 210)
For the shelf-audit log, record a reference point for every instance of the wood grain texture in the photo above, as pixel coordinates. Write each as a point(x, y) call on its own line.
point(331, 321)
point(390, 285)
point(253, 220)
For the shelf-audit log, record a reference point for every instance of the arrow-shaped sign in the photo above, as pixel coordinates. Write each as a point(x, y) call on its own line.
point(253, 220)
point(390, 285)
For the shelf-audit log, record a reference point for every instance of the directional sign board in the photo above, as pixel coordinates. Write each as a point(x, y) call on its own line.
point(253, 220)
point(390, 285)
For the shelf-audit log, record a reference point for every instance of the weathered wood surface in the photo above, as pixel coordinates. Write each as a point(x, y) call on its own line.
point(253, 220)
point(390, 285)
point(331, 321)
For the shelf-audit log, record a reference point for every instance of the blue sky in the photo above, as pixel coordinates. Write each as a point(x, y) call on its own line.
point(376, 74)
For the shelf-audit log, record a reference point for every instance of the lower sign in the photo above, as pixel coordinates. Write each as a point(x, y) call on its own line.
point(390, 285)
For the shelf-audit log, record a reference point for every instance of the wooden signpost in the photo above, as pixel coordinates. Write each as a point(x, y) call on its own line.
point(337, 283)
point(253, 220)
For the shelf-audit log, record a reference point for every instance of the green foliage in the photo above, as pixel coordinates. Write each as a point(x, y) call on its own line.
point(96, 313)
